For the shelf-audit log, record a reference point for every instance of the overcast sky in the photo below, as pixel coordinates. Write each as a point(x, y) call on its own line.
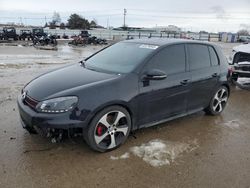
point(194, 15)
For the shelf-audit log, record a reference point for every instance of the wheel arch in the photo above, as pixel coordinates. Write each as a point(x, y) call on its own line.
point(228, 88)
point(122, 104)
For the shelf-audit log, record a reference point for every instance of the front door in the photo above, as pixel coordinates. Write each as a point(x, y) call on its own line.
point(160, 99)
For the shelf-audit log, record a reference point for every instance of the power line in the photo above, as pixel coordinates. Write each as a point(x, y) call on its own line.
point(188, 17)
point(189, 12)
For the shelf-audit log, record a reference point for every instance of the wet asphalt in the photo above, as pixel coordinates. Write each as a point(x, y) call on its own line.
point(218, 156)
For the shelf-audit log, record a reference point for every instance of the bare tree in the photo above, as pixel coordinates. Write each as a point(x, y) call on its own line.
point(243, 32)
point(56, 19)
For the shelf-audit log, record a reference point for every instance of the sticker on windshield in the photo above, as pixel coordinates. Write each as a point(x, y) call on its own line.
point(147, 46)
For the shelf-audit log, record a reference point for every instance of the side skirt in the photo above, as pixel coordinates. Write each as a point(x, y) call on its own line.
point(170, 118)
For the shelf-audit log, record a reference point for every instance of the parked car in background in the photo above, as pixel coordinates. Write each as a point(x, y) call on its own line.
point(85, 38)
point(84, 34)
point(45, 40)
point(1, 35)
point(240, 62)
point(65, 36)
point(38, 32)
point(25, 34)
point(127, 86)
point(244, 39)
point(9, 33)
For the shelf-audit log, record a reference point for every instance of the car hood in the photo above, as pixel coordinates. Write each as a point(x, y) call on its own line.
point(245, 48)
point(66, 78)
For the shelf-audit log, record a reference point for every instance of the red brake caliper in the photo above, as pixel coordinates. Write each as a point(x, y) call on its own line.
point(99, 130)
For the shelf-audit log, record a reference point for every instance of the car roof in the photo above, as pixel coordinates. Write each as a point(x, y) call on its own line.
point(164, 41)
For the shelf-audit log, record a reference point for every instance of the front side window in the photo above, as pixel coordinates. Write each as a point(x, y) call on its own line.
point(198, 56)
point(122, 57)
point(170, 60)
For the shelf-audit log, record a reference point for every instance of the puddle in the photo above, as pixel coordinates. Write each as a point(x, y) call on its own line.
point(66, 49)
point(30, 55)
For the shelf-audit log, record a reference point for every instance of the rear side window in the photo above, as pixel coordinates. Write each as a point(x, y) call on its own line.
point(198, 56)
point(171, 59)
point(213, 56)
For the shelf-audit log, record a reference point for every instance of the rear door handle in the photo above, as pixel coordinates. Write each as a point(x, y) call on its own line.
point(214, 74)
point(185, 82)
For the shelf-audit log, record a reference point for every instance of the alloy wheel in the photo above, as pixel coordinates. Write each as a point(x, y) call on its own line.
point(220, 100)
point(111, 130)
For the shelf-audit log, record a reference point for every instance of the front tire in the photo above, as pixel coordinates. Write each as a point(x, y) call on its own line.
point(218, 102)
point(109, 129)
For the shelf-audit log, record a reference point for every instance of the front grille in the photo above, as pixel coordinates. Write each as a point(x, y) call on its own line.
point(242, 67)
point(30, 102)
point(245, 68)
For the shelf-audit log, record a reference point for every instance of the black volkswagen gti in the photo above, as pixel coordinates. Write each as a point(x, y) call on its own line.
point(124, 87)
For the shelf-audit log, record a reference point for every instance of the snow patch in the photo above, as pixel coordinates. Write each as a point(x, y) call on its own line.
point(114, 158)
point(234, 124)
point(124, 156)
point(158, 152)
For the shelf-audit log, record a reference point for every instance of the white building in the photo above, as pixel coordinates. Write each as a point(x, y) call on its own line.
point(167, 29)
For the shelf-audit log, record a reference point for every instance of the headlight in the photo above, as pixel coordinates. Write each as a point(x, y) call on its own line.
point(57, 105)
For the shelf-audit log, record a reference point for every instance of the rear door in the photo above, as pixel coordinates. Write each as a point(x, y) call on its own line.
point(160, 99)
point(204, 68)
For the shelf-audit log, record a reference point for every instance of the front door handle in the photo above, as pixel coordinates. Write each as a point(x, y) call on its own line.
point(185, 82)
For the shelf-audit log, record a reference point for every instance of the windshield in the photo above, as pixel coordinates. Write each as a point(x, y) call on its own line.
point(120, 58)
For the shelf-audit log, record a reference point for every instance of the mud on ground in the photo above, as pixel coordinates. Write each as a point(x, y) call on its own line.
point(194, 151)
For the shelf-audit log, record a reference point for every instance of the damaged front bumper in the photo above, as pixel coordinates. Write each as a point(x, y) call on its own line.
point(241, 70)
point(47, 124)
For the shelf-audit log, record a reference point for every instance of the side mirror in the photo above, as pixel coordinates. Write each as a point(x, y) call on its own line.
point(155, 74)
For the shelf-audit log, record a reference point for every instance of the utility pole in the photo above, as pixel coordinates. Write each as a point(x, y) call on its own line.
point(124, 17)
point(108, 23)
point(45, 19)
point(25, 22)
point(21, 21)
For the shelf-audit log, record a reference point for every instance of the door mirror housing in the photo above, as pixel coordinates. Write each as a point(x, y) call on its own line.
point(155, 74)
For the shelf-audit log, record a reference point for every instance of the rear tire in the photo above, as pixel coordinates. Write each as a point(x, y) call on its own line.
point(109, 129)
point(218, 102)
